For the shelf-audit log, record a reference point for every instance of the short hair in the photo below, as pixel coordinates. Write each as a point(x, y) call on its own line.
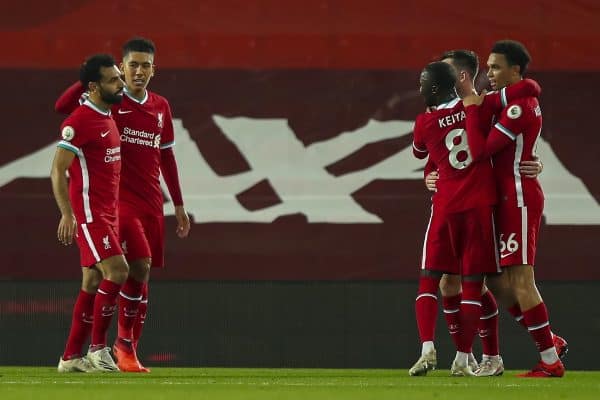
point(463, 59)
point(443, 75)
point(140, 44)
point(90, 69)
point(515, 53)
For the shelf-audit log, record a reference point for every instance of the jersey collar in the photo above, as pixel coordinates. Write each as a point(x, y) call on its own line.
point(91, 105)
point(449, 104)
point(145, 99)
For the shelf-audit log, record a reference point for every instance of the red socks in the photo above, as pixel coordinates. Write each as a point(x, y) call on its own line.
point(470, 312)
point(141, 316)
point(129, 301)
point(451, 314)
point(81, 325)
point(426, 308)
point(536, 319)
point(104, 308)
point(488, 324)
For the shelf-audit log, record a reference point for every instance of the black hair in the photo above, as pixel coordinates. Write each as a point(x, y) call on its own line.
point(442, 75)
point(140, 44)
point(515, 53)
point(463, 59)
point(90, 69)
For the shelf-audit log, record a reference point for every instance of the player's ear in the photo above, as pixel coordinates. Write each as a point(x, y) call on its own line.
point(516, 69)
point(434, 89)
point(92, 86)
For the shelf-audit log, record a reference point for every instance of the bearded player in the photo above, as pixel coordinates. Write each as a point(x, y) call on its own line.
point(90, 152)
point(147, 139)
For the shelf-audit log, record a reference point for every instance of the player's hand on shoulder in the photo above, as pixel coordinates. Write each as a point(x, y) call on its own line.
point(67, 228)
point(430, 181)
point(183, 222)
point(474, 99)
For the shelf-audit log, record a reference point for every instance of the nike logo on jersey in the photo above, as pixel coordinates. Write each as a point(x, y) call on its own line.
point(506, 255)
point(124, 111)
point(103, 134)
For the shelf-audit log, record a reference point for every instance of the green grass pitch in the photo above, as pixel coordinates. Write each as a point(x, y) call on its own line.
point(305, 384)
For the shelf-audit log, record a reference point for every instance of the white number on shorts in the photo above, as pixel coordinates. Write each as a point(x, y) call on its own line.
point(456, 149)
point(511, 244)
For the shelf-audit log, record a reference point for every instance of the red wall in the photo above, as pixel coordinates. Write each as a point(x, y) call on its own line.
point(298, 34)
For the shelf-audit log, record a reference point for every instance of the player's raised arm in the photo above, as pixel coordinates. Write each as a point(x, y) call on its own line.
point(497, 100)
point(478, 145)
point(503, 133)
point(60, 187)
point(69, 99)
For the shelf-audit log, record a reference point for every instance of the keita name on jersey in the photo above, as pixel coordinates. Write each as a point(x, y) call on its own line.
point(451, 119)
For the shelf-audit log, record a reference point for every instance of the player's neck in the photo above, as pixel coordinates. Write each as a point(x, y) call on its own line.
point(465, 91)
point(513, 81)
point(137, 94)
point(446, 98)
point(97, 101)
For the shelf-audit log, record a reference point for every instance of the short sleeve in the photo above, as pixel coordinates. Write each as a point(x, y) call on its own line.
point(72, 136)
point(167, 138)
point(512, 121)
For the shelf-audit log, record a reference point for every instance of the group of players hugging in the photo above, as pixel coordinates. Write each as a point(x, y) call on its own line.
point(486, 210)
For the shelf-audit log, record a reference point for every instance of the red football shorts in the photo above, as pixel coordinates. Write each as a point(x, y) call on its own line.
point(97, 241)
point(143, 237)
point(518, 228)
point(461, 243)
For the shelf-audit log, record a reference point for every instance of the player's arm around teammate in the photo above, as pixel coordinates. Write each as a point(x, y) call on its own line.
point(511, 140)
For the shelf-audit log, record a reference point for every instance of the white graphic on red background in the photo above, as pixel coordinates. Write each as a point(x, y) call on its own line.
point(274, 153)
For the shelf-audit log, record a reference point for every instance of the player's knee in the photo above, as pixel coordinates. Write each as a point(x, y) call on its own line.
point(91, 285)
point(90, 280)
point(450, 285)
point(140, 269)
point(118, 276)
point(118, 272)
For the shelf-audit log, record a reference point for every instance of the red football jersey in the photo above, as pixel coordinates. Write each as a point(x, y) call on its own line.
point(512, 140)
point(462, 184)
point(93, 136)
point(146, 128)
point(493, 103)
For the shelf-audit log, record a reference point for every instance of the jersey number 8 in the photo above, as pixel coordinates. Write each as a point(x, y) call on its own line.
point(462, 148)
